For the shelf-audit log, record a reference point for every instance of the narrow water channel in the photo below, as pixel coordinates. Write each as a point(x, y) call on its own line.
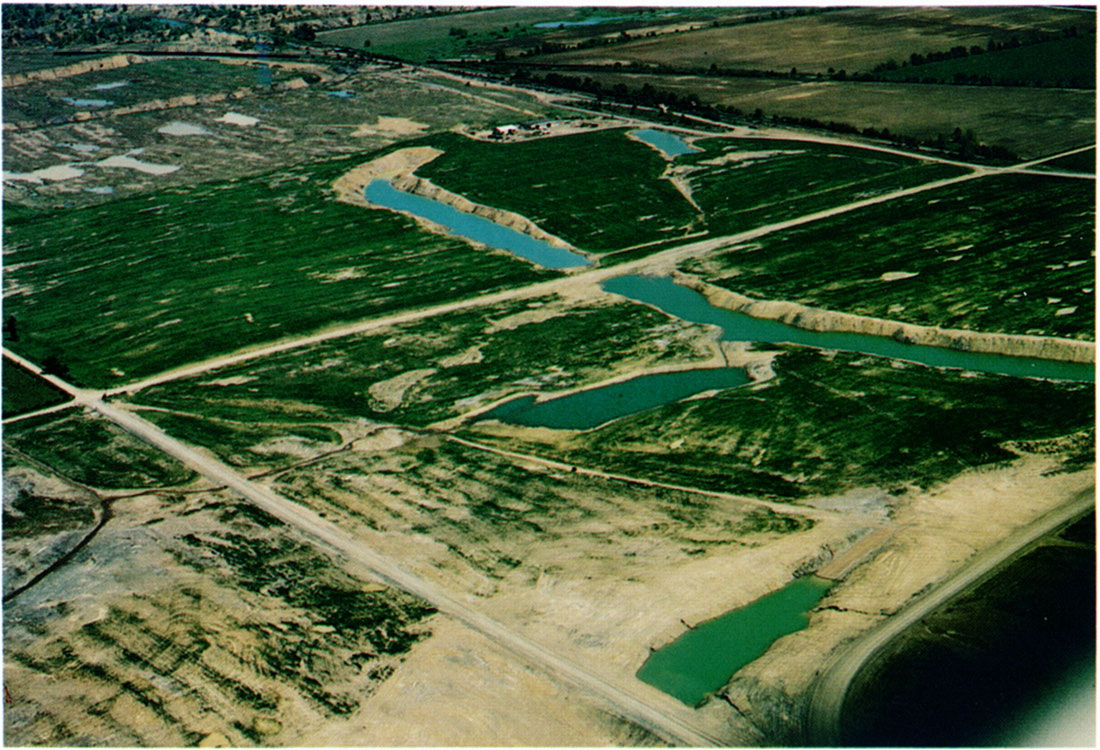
point(687, 304)
point(703, 659)
point(472, 227)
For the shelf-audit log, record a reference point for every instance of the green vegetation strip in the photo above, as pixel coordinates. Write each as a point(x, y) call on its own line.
point(827, 423)
point(744, 183)
point(450, 362)
point(93, 451)
point(141, 285)
point(26, 392)
point(1032, 235)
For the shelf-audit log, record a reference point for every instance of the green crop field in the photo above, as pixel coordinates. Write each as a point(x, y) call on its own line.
point(88, 449)
point(999, 116)
point(1009, 254)
point(25, 392)
point(480, 33)
point(423, 372)
point(828, 422)
point(140, 285)
point(744, 183)
point(858, 39)
point(422, 39)
point(600, 191)
point(1084, 161)
point(1065, 62)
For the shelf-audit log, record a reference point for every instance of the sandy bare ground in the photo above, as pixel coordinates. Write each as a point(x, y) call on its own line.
point(390, 126)
point(635, 703)
point(828, 695)
point(933, 536)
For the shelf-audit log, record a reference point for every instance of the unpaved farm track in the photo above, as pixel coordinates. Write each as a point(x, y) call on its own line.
point(823, 714)
point(638, 709)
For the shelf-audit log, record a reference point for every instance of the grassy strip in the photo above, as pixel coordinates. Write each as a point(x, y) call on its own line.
point(92, 451)
point(769, 181)
point(138, 286)
point(827, 424)
point(458, 356)
point(25, 392)
point(1032, 235)
point(247, 444)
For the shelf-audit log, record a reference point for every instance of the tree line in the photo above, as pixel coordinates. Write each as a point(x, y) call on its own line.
point(960, 143)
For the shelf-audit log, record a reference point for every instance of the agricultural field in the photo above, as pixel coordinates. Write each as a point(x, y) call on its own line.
point(828, 424)
point(25, 392)
point(859, 39)
point(744, 183)
point(421, 373)
point(263, 244)
point(1065, 62)
point(292, 482)
point(480, 34)
point(1084, 161)
point(928, 259)
point(617, 200)
point(88, 450)
point(496, 525)
point(998, 117)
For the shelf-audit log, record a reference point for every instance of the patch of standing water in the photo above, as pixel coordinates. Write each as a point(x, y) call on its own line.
point(592, 21)
point(342, 94)
point(182, 128)
point(687, 304)
point(472, 227)
point(584, 410)
point(106, 86)
point(704, 658)
point(86, 102)
point(665, 142)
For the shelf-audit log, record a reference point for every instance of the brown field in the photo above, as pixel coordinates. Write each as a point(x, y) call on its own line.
point(1030, 122)
point(851, 40)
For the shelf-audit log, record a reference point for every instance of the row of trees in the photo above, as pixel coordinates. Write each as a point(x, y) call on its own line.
point(960, 143)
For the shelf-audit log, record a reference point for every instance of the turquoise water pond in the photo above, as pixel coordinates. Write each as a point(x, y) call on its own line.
point(703, 659)
point(473, 227)
point(669, 143)
point(587, 409)
point(689, 305)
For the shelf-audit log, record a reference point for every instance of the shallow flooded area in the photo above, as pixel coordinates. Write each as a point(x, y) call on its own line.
point(704, 658)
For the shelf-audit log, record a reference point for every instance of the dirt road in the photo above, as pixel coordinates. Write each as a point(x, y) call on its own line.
point(631, 705)
point(595, 275)
point(784, 508)
point(822, 723)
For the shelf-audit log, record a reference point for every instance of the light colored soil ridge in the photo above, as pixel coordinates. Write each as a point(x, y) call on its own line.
point(815, 319)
